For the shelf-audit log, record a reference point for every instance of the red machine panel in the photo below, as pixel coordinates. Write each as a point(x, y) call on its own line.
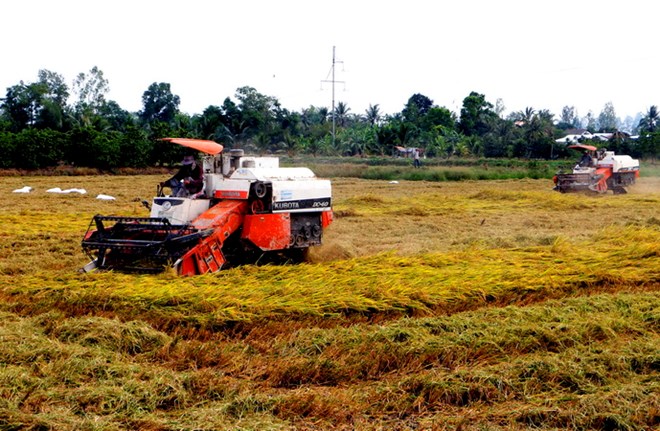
point(268, 231)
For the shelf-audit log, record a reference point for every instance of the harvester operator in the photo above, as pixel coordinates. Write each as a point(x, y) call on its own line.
point(586, 160)
point(189, 181)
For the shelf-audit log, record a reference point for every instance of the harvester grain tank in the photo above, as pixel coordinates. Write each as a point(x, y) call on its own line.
point(250, 207)
point(598, 171)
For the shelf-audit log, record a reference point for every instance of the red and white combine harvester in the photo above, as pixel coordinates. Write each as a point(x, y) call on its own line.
point(598, 171)
point(250, 208)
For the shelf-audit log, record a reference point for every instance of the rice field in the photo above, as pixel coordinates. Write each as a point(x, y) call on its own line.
point(471, 305)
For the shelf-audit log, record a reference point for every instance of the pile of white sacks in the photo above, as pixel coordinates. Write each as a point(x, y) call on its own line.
point(28, 189)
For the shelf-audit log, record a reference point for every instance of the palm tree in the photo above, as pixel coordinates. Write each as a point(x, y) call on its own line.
point(323, 114)
point(262, 141)
point(650, 122)
point(385, 139)
point(313, 115)
point(291, 143)
point(538, 134)
point(341, 113)
point(403, 133)
point(373, 114)
point(526, 115)
point(546, 116)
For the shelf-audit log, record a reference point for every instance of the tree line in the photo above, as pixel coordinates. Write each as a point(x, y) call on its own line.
point(46, 123)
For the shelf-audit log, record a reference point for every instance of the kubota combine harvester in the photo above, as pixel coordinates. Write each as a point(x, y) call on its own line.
point(249, 208)
point(598, 171)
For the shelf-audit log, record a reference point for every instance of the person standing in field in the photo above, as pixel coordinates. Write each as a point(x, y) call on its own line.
point(416, 162)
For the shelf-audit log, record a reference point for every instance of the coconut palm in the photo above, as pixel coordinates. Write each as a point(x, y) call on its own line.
point(324, 113)
point(651, 121)
point(341, 113)
point(526, 115)
point(373, 114)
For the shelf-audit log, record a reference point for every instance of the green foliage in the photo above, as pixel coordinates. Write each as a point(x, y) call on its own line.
point(111, 116)
point(569, 118)
point(210, 125)
point(91, 89)
point(650, 122)
point(372, 114)
point(438, 117)
point(7, 150)
point(257, 122)
point(135, 148)
point(648, 146)
point(476, 115)
point(607, 121)
point(341, 114)
point(418, 106)
point(386, 139)
point(41, 104)
point(256, 110)
point(159, 104)
point(32, 148)
point(358, 140)
point(88, 147)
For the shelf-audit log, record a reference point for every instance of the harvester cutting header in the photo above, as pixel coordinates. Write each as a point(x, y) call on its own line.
point(245, 207)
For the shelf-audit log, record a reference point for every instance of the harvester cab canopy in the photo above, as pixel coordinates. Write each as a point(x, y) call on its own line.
point(582, 147)
point(209, 147)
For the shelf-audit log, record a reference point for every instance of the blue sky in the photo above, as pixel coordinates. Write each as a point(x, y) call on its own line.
point(543, 55)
